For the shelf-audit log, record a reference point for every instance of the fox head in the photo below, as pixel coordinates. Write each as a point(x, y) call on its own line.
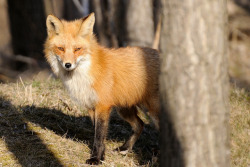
point(68, 43)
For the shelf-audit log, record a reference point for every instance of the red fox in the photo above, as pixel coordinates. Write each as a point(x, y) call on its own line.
point(99, 78)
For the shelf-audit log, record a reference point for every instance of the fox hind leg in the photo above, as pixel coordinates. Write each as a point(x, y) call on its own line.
point(130, 115)
point(153, 106)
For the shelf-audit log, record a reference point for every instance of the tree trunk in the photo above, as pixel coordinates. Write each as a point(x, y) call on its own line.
point(73, 10)
point(54, 7)
point(4, 30)
point(27, 25)
point(139, 22)
point(117, 22)
point(105, 21)
point(194, 84)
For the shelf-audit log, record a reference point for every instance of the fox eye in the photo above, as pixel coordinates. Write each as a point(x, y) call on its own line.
point(61, 48)
point(77, 49)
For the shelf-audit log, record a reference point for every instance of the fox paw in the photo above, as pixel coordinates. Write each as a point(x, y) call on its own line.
point(122, 150)
point(93, 161)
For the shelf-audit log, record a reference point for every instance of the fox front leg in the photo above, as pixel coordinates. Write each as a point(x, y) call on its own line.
point(101, 127)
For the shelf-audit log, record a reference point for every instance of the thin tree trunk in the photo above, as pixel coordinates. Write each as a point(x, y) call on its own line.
point(105, 21)
point(194, 84)
point(54, 7)
point(112, 10)
point(5, 38)
point(139, 22)
point(117, 22)
point(100, 23)
point(72, 10)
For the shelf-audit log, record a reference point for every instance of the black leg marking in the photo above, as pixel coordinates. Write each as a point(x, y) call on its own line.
point(101, 126)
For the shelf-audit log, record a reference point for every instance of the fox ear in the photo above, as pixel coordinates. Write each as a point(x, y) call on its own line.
point(87, 25)
point(54, 25)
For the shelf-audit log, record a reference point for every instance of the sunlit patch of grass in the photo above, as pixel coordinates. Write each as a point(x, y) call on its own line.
point(36, 84)
point(240, 127)
point(7, 158)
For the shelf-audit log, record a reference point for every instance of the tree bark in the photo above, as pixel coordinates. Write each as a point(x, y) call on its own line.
point(139, 22)
point(4, 30)
point(194, 84)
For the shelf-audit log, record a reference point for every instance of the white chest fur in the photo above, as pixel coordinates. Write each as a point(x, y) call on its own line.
point(79, 84)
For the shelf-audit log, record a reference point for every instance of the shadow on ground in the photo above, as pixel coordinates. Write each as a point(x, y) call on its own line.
point(21, 140)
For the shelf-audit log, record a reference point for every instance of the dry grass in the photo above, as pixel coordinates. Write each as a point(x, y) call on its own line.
point(240, 128)
point(40, 126)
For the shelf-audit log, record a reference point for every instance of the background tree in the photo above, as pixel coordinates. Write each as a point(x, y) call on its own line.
point(139, 22)
point(194, 84)
point(28, 30)
point(105, 12)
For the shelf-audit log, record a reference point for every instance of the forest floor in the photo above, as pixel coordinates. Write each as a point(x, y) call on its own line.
point(40, 126)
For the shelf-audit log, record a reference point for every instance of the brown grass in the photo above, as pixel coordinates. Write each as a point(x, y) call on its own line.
point(240, 127)
point(40, 126)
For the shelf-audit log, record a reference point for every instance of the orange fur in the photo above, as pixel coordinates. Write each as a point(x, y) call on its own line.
point(124, 76)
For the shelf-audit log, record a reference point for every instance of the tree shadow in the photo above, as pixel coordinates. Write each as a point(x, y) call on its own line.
point(171, 148)
point(20, 140)
point(81, 129)
point(146, 147)
point(75, 128)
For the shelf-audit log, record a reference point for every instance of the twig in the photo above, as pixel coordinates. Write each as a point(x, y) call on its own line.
point(157, 34)
point(239, 33)
point(21, 58)
point(22, 82)
point(78, 6)
point(8, 72)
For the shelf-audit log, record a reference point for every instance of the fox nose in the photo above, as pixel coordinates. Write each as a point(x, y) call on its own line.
point(68, 65)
